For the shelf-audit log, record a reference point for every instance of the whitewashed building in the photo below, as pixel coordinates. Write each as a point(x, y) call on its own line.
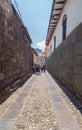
point(64, 44)
point(65, 16)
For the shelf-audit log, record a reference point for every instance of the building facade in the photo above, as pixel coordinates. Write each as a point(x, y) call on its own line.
point(69, 11)
point(15, 47)
point(35, 57)
point(64, 44)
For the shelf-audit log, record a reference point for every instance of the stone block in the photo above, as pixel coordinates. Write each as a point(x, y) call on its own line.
point(8, 73)
point(13, 59)
point(0, 45)
point(77, 49)
point(0, 67)
point(78, 65)
point(69, 78)
point(72, 37)
point(70, 65)
point(71, 51)
point(78, 85)
point(8, 80)
point(2, 76)
point(67, 53)
point(5, 58)
point(63, 78)
point(7, 66)
point(1, 27)
point(62, 53)
point(79, 33)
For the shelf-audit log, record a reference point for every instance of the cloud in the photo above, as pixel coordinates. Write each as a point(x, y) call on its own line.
point(41, 45)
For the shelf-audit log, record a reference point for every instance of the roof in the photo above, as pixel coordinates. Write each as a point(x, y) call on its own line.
point(57, 7)
point(34, 51)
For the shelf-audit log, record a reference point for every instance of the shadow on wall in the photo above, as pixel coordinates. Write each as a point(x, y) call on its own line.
point(77, 103)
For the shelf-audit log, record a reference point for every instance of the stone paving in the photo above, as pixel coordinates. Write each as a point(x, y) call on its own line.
point(69, 99)
point(38, 105)
point(63, 112)
point(37, 113)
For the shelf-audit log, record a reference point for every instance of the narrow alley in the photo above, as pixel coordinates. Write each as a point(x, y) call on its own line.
point(40, 104)
point(41, 66)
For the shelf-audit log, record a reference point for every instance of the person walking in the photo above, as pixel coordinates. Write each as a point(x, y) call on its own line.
point(44, 68)
point(41, 68)
point(34, 69)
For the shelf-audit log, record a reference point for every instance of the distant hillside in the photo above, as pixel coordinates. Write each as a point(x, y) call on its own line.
point(39, 51)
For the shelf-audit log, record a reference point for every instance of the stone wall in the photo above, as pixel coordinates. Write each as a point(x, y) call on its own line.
point(65, 63)
point(15, 47)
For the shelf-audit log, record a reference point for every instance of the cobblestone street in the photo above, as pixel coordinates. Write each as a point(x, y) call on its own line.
point(40, 65)
point(39, 104)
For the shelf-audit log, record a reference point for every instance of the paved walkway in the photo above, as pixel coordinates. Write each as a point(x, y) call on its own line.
point(37, 105)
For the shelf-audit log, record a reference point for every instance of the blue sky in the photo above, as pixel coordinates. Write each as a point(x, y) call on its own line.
point(36, 15)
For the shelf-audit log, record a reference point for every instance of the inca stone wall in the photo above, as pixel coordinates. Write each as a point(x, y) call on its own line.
point(65, 63)
point(15, 47)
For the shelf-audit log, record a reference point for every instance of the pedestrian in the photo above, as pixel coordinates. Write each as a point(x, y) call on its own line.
point(33, 69)
point(37, 69)
point(41, 68)
point(44, 68)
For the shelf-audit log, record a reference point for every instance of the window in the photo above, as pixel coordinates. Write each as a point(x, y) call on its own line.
point(54, 42)
point(64, 25)
point(50, 49)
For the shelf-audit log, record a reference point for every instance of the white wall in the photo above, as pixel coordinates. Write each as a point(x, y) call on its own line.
point(73, 10)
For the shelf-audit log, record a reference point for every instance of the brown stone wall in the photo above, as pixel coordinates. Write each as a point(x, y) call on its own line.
point(15, 50)
point(65, 63)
